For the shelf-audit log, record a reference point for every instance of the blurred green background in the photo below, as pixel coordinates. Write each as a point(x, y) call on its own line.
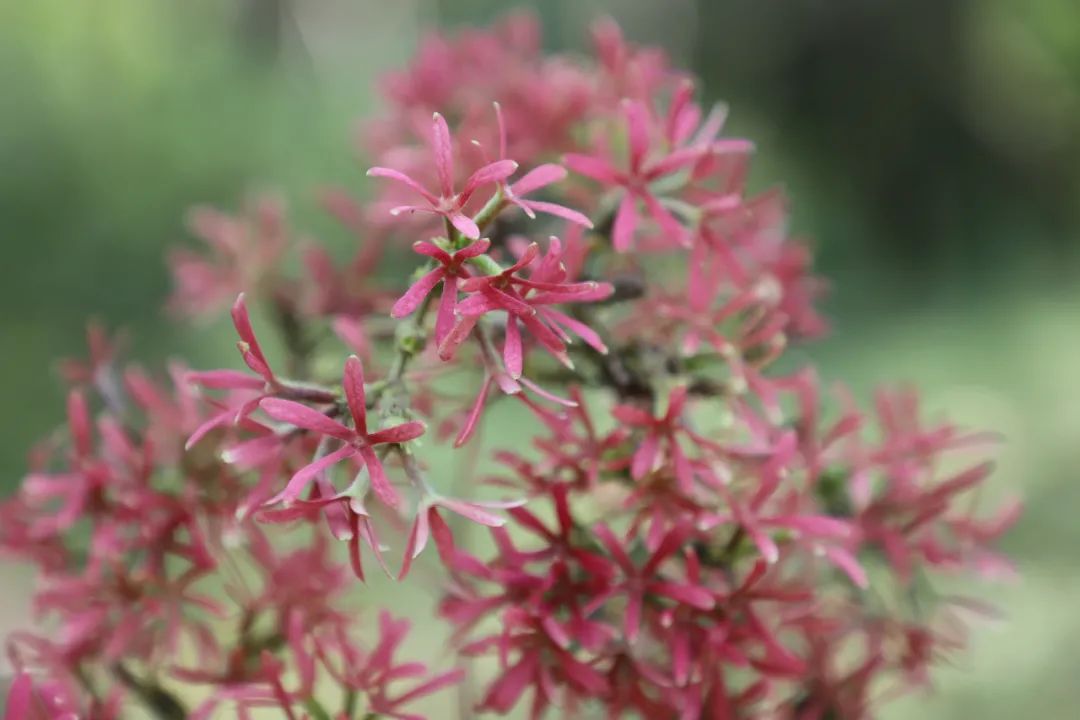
point(931, 148)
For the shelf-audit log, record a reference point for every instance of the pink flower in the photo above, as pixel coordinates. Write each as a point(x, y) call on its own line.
point(661, 439)
point(243, 251)
point(536, 179)
point(645, 582)
point(525, 300)
point(248, 391)
point(450, 270)
point(447, 203)
point(428, 523)
point(30, 700)
point(643, 170)
point(358, 441)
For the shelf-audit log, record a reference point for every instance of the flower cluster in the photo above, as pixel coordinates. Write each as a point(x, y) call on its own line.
point(687, 530)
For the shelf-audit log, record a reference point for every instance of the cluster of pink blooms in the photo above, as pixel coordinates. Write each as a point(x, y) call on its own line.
point(689, 530)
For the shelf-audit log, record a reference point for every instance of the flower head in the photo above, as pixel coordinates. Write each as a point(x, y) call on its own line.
point(357, 442)
point(446, 202)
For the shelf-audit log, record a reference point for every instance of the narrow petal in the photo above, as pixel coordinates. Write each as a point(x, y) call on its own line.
point(379, 482)
point(637, 129)
point(303, 477)
point(491, 173)
point(215, 421)
point(431, 250)
point(302, 416)
point(473, 418)
point(614, 546)
point(505, 692)
point(444, 538)
point(464, 224)
point(457, 335)
point(444, 317)
point(472, 511)
point(355, 396)
point(418, 539)
point(251, 454)
point(622, 234)
point(19, 699)
point(645, 456)
point(583, 331)
point(557, 210)
point(476, 305)
point(398, 433)
point(545, 394)
point(444, 156)
point(630, 415)
point(404, 179)
point(356, 559)
point(695, 597)
point(510, 301)
point(663, 217)
point(474, 249)
point(79, 423)
point(407, 303)
point(538, 177)
point(512, 351)
point(410, 209)
point(446, 679)
point(531, 252)
point(546, 337)
point(850, 566)
point(592, 167)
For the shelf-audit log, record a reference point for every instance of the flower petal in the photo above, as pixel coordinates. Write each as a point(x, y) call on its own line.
point(592, 167)
point(475, 411)
point(407, 303)
point(557, 210)
point(398, 433)
point(473, 511)
point(538, 177)
point(431, 250)
point(355, 396)
point(302, 416)
point(379, 482)
point(626, 220)
point(418, 539)
point(391, 174)
point(637, 130)
point(512, 351)
point(444, 318)
point(491, 173)
point(444, 158)
point(464, 224)
point(303, 477)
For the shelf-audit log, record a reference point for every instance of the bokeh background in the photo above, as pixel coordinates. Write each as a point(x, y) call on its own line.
point(931, 148)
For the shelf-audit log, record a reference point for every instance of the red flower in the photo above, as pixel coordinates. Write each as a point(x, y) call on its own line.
point(450, 271)
point(661, 439)
point(526, 300)
point(643, 582)
point(358, 441)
